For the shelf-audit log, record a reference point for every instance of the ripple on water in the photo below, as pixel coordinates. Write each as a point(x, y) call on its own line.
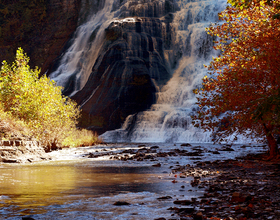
point(83, 188)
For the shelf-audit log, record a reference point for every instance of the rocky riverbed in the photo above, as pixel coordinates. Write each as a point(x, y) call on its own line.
point(242, 188)
point(201, 181)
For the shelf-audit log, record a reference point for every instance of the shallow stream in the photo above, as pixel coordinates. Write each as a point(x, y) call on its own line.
point(72, 186)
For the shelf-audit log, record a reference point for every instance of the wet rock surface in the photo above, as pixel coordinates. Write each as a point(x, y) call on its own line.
point(146, 153)
point(131, 65)
point(243, 188)
point(120, 203)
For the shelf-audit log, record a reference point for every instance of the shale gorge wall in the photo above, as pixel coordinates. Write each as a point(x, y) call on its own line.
point(41, 28)
point(130, 64)
point(128, 55)
point(130, 50)
point(21, 151)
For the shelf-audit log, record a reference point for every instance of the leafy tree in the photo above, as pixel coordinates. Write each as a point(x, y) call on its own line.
point(242, 93)
point(38, 102)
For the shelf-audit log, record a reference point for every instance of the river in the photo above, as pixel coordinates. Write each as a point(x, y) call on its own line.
point(73, 186)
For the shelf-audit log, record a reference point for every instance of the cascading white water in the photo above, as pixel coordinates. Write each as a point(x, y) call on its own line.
point(169, 120)
point(82, 54)
point(88, 40)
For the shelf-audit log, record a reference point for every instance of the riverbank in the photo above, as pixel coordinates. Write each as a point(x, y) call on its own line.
point(243, 188)
point(148, 181)
point(22, 151)
point(246, 187)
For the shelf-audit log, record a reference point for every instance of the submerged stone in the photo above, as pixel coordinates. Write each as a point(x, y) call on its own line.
point(121, 203)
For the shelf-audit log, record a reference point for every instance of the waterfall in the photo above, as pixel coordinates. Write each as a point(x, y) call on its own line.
point(188, 49)
point(169, 120)
point(80, 57)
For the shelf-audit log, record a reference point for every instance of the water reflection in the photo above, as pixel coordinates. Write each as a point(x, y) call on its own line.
point(29, 189)
point(110, 180)
point(43, 180)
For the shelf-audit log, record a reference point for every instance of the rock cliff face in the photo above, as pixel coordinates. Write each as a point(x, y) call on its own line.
point(133, 58)
point(133, 61)
point(41, 28)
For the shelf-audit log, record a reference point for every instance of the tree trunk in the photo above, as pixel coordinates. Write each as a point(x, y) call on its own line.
point(272, 143)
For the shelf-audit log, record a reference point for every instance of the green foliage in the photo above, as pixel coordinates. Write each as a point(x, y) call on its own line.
point(81, 138)
point(38, 102)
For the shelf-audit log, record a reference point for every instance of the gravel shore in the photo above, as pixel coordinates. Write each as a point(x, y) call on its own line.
point(240, 189)
point(243, 188)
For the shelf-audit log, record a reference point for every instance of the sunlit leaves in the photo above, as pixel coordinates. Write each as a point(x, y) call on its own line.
point(36, 101)
point(243, 93)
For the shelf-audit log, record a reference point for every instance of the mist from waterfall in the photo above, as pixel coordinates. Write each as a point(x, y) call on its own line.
point(169, 120)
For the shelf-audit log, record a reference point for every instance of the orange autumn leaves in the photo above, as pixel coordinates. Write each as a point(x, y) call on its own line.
point(241, 93)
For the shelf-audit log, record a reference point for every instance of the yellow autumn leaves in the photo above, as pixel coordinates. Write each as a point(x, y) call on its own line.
point(49, 116)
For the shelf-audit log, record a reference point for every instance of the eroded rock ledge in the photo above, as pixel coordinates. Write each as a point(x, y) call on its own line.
point(21, 151)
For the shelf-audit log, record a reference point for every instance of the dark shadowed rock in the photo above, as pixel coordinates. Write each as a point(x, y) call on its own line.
point(130, 66)
point(164, 198)
point(198, 216)
point(27, 218)
point(183, 202)
point(121, 203)
point(41, 28)
point(237, 197)
point(186, 145)
point(154, 147)
point(156, 165)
